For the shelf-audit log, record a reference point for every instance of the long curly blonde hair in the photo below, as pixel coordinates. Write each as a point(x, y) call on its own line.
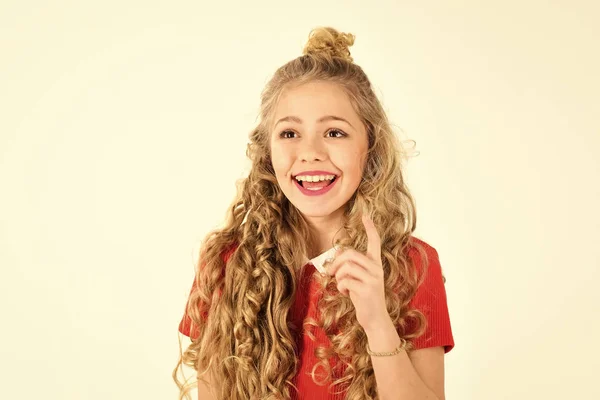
point(244, 342)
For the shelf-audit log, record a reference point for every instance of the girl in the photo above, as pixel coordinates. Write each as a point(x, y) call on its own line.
point(316, 288)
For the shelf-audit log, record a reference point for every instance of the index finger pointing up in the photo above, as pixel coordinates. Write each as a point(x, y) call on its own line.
point(373, 239)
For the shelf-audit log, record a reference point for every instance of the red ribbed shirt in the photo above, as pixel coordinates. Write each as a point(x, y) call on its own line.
point(430, 299)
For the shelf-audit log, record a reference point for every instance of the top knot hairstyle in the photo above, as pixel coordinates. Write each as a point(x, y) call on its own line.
point(239, 307)
point(329, 43)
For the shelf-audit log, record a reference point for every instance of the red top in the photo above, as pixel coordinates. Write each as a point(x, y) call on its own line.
point(430, 299)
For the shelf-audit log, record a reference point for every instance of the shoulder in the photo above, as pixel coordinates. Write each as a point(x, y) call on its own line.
point(431, 281)
point(228, 251)
point(423, 254)
point(415, 243)
point(225, 252)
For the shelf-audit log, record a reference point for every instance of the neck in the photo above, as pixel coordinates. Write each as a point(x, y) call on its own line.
point(323, 231)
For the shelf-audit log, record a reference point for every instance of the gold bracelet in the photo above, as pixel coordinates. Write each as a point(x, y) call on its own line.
point(389, 353)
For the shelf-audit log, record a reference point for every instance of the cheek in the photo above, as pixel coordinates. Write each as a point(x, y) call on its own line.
point(351, 162)
point(361, 156)
point(279, 161)
point(363, 162)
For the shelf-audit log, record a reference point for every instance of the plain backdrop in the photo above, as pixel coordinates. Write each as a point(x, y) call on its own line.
point(123, 127)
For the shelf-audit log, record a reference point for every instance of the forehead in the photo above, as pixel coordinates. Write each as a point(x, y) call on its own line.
point(313, 100)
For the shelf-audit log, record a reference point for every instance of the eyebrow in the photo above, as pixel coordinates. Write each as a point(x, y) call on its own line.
point(292, 118)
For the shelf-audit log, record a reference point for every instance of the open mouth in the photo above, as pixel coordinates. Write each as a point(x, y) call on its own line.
point(315, 185)
point(320, 184)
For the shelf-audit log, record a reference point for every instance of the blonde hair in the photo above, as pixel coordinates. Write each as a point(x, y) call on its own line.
point(244, 341)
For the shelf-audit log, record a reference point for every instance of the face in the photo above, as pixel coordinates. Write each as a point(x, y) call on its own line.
point(318, 136)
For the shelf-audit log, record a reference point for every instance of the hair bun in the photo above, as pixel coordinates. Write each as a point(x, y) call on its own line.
point(328, 42)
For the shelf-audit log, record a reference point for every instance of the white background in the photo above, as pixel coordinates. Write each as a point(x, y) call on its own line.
point(123, 129)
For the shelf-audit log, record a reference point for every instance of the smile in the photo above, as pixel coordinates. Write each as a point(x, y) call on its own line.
point(317, 188)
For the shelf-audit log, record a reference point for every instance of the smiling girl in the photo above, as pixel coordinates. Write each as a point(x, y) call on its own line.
point(316, 287)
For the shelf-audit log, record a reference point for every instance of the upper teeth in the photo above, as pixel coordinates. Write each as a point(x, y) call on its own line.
point(314, 178)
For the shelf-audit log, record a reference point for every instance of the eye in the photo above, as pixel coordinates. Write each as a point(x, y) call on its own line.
point(286, 134)
point(336, 132)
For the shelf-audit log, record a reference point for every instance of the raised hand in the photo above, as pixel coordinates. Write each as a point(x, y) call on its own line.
point(360, 276)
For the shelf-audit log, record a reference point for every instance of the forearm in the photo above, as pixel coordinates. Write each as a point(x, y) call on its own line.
point(395, 375)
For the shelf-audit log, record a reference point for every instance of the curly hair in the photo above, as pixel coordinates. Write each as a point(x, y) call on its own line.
point(240, 305)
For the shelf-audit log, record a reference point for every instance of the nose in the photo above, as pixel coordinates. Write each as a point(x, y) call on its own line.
point(312, 149)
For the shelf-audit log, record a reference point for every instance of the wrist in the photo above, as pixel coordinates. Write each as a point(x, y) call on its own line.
point(383, 338)
point(380, 329)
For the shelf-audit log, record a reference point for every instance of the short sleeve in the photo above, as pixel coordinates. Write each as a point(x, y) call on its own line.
point(430, 299)
point(186, 325)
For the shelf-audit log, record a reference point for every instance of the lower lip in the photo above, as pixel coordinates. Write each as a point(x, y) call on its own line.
point(316, 192)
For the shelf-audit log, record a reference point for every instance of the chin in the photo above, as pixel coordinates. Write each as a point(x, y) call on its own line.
point(319, 211)
point(314, 213)
point(315, 207)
